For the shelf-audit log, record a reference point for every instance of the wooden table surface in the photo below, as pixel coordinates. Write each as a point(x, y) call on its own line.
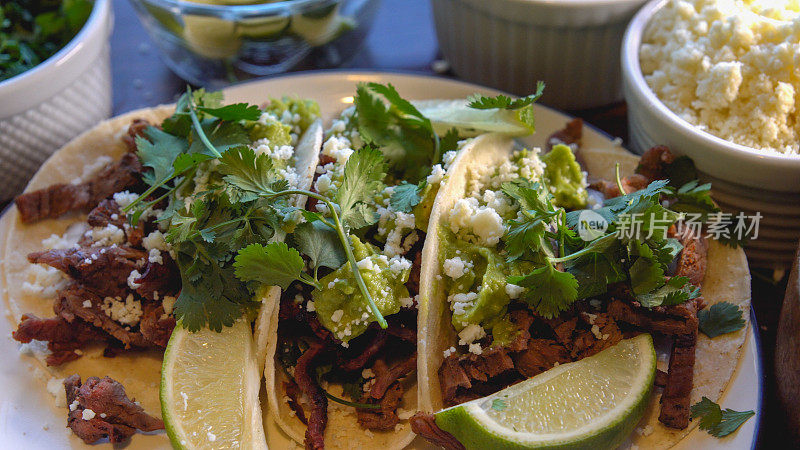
point(403, 39)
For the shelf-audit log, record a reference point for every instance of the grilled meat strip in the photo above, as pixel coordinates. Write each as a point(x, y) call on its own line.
point(318, 420)
point(676, 398)
point(62, 337)
point(57, 199)
point(104, 270)
point(424, 424)
point(100, 408)
point(71, 304)
point(385, 418)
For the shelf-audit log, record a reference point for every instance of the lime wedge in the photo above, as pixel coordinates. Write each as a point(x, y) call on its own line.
point(593, 404)
point(209, 389)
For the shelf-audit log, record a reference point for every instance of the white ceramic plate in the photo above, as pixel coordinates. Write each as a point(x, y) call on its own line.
point(29, 419)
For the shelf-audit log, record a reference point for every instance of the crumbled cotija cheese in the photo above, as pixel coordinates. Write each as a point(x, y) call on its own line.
point(730, 67)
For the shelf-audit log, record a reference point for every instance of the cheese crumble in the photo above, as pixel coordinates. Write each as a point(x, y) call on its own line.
point(729, 67)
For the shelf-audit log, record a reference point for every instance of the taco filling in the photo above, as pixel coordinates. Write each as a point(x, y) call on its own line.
point(117, 275)
point(540, 266)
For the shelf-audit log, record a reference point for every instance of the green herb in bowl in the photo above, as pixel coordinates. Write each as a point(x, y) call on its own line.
point(33, 30)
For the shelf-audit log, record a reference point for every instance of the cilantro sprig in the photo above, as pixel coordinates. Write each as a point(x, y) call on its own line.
point(639, 255)
point(716, 421)
point(218, 231)
point(721, 318)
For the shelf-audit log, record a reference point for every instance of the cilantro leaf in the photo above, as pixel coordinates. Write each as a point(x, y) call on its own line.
point(159, 151)
point(528, 233)
point(718, 422)
point(693, 197)
point(594, 272)
point(274, 264)
point(321, 244)
point(400, 104)
point(720, 318)
point(398, 129)
point(674, 292)
point(646, 273)
point(247, 172)
point(222, 135)
point(478, 101)
point(405, 197)
point(549, 291)
point(233, 112)
point(362, 180)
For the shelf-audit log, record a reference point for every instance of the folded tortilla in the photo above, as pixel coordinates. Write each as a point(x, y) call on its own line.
point(139, 371)
point(727, 279)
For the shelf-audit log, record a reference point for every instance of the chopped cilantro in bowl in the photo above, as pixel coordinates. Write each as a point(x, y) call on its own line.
point(33, 30)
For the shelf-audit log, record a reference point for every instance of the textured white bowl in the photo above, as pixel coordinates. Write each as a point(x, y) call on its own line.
point(742, 179)
point(572, 45)
point(652, 123)
point(43, 108)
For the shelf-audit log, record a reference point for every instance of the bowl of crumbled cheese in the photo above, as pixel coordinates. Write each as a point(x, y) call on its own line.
point(719, 81)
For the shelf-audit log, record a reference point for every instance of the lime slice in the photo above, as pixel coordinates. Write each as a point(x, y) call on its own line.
point(209, 389)
point(322, 26)
point(211, 37)
point(593, 404)
point(470, 122)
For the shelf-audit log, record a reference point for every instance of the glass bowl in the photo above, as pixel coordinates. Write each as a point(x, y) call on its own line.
point(214, 45)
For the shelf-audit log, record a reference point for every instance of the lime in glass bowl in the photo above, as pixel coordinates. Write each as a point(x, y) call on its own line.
point(217, 42)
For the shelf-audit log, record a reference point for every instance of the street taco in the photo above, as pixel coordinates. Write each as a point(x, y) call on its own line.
point(113, 277)
point(484, 325)
point(341, 370)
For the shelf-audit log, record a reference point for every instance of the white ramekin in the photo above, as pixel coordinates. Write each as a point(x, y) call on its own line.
point(572, 45)
point(46, 106)
point(743, 180)
point(651, 123)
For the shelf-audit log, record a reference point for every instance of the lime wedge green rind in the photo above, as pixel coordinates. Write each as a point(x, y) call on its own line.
point(479, 426)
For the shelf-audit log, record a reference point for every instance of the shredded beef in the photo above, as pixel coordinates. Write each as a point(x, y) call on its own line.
point(385, 377)
point(424, 424)
point(318, 420)
point(571, 134)
point(70, 305)
point(416, 265)
point(135, 129)
point(654, 162)
point(661, 378)
point(541, 355)
point(692, 259)
point(107, 212)
point(452, 377)
point(62, 337)
point(676, 398)
point(609, 189)
point(156, 326)
point(104, 270)
point(293, 392)
point(668, 321)
point(385, 418)
point(158, 280)
point(402, 332)
point(115, 415)
point(58, 199)
point(372, 349)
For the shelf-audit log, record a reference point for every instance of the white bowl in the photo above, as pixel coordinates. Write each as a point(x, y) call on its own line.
point(742, 179)
point(43, 108)
point(572, 45)
point(651, 123)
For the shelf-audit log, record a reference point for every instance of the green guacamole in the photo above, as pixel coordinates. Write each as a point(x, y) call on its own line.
point(487, 279)
point(340, 292)
point(563, 175)
point(308, 110)
point(277, 132)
